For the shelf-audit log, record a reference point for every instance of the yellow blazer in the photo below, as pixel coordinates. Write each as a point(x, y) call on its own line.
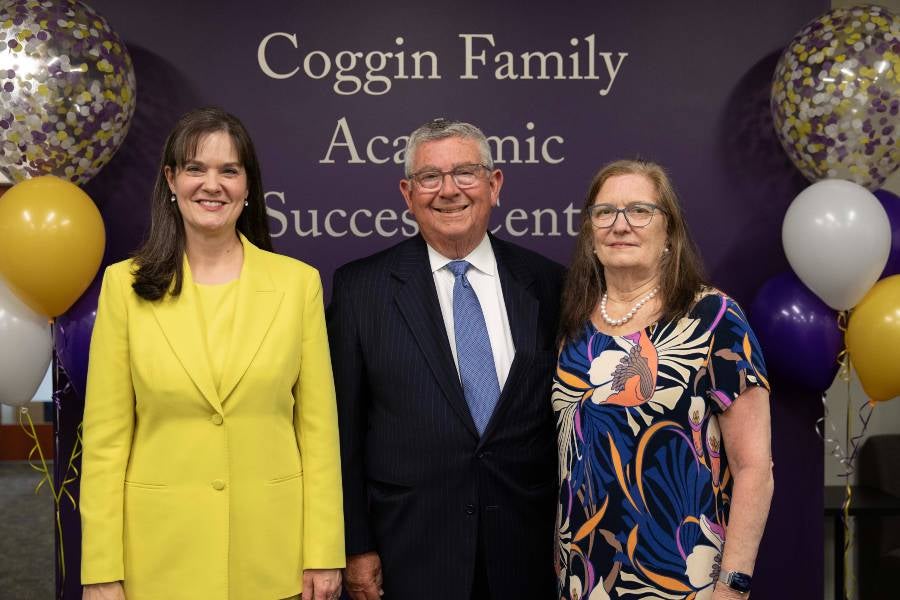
point(189, 494)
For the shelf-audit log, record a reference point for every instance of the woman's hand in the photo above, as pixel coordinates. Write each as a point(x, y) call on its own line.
point(723, 592)
point(103, 591)
point(321, 584)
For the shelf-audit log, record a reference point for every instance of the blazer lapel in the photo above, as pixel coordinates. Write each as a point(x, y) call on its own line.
point(522, 312)
point(178, 318)
point(257, 302)
point(416, 298)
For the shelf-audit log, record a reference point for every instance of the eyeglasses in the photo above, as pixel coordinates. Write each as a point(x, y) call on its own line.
point(638, 214)
point(464, 176)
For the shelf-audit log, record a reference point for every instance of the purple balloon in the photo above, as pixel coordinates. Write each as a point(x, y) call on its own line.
point(799, 333)
point(891, 204)
point(72, 335)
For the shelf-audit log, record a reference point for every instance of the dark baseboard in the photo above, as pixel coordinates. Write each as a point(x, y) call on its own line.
point(15, 444)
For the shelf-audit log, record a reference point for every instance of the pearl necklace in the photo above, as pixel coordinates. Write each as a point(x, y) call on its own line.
point(629, 314)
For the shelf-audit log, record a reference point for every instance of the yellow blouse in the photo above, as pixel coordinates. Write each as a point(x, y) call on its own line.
point(216, 306)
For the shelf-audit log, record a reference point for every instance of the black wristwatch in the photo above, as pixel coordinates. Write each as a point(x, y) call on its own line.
point(739, 582)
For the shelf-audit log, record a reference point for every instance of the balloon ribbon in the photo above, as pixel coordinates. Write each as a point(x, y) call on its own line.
point(848, 459)
point(71, 476)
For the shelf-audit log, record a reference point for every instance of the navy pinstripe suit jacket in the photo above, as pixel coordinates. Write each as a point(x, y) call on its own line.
point(420, 486)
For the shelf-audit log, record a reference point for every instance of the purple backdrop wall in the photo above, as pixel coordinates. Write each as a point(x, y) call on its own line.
point(685, 84)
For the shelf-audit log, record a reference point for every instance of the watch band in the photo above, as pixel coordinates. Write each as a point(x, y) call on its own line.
point(739, 582)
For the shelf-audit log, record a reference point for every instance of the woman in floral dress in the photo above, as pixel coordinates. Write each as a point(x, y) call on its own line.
point(662, 409)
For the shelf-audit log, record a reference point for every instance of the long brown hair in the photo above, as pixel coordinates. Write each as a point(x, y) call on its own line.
point(681, 271)
point(160, 260)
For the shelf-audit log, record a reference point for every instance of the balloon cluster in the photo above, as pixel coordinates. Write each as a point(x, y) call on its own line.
point(67, 95)
point(838, 240)
point(836, 108)
point(51, 243)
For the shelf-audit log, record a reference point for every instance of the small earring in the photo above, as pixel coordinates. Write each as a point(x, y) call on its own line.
point(246, 203)
point(172, 199)
point(666, 249)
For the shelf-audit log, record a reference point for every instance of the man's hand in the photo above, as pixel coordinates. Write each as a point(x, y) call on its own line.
point(363, 576)
point(103, 591)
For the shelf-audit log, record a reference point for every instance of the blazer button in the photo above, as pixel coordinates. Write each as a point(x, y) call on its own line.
point(470, 509)
point(217, 419)
point(218, 485)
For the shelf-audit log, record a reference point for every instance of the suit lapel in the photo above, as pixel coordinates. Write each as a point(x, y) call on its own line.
point(257, 302)
point(522, 311)
point(416, 298)
point(178, 318)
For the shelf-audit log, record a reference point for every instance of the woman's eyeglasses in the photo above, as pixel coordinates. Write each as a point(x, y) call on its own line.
point(638, 214)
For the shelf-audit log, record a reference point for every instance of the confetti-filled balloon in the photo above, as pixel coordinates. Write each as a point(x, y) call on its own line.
point(836, 96)
point(67, 90)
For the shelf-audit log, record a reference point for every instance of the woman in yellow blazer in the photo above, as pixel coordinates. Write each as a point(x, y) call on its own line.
point(211, 461)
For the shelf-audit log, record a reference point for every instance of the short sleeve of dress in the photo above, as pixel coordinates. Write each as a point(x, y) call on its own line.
point(735, 360)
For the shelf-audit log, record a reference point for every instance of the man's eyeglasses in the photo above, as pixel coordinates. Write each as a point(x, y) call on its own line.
point(464, 176)
point(638, 214)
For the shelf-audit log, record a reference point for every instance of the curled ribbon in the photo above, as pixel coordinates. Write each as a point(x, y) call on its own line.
point(847, 458)
point(70, 475)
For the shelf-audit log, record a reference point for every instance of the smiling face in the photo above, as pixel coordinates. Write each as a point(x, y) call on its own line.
point(637, 250)
point(210, 187)
point(452, 220)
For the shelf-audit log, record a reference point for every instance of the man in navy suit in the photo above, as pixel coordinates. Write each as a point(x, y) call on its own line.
point(443, 352)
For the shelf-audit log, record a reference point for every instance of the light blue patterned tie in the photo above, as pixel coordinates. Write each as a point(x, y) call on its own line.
point(473, 349)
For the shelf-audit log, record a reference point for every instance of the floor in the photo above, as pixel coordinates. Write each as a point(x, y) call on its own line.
point(26, 535)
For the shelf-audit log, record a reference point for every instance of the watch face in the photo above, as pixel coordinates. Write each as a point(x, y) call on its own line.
point(740, 582)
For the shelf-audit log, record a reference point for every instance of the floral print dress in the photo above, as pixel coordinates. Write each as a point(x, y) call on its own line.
point(644, 481)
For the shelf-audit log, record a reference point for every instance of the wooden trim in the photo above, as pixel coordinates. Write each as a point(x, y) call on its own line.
point(15, 445)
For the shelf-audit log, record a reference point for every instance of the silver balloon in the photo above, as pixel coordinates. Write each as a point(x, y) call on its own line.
point(25, 349)
point(67, 90)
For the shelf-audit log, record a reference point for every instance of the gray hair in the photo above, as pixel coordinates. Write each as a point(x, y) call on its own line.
point(441, 128)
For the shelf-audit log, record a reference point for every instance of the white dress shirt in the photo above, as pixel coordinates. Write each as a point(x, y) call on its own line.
point(485, 281)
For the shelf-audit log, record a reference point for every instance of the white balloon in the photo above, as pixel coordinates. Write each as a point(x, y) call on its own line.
point(837, 238)
point(25, 349)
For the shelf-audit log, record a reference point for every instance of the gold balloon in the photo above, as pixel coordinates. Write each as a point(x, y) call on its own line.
point(873, 339)
point(51, 243)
